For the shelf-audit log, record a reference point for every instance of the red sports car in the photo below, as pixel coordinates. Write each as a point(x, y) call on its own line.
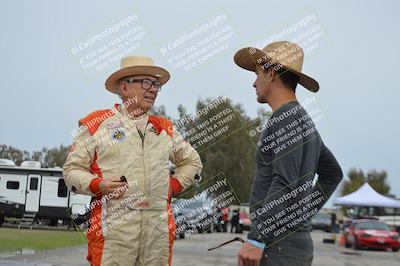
point(371, 234)
point(244, 221)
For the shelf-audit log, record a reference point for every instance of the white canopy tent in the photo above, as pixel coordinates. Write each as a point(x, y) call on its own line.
point(368, 197)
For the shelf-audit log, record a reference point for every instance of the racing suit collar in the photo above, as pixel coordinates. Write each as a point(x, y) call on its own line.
point(139, 121)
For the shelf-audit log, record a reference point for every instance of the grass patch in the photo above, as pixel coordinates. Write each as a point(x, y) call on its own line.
point(13, 239)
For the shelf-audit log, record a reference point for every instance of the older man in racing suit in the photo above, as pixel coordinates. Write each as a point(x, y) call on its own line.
point(121, 158)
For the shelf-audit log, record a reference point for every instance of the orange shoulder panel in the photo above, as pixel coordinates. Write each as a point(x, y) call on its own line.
point(161, 123)
point(93, 120)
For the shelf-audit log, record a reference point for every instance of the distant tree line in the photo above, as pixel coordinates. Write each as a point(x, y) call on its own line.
point(376, 179)
point(48, 157)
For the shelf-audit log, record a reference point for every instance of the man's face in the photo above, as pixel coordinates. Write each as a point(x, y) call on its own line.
point(262, 84)
point(136, 93)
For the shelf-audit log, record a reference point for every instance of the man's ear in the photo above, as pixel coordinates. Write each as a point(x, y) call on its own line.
point(123, 89)
point(276, 75)
point(270, 74)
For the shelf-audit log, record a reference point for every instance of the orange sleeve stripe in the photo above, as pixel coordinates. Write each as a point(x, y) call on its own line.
point(175, 186)
point(93, 120)
point(94, 236)
point(95, 186)
point(172, 231)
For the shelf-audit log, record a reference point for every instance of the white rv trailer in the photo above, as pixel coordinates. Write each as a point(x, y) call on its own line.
point(40, 191)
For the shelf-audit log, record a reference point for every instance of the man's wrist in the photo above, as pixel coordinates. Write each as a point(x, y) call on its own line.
point(257, 244)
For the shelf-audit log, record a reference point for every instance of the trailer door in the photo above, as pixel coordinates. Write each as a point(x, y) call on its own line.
point(33, 193)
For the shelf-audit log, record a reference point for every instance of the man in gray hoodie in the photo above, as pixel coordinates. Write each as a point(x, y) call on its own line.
point(290, 151)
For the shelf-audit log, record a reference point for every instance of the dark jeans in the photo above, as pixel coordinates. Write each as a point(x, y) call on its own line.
point(294, 250)
point(234, 226)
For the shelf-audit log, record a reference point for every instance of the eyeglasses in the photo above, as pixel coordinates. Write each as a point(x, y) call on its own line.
point(146, 83)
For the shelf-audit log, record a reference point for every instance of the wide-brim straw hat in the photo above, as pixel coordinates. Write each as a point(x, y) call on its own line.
point(135, 66)
point(285, 54)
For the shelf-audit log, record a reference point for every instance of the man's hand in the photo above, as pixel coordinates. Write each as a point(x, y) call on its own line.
point(114, 186)
point(249, 255)
point(174, 187)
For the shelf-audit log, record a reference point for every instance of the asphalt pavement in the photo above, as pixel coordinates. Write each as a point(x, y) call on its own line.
point(192, 251)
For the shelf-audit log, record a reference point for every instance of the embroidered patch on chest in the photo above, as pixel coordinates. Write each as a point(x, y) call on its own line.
point(118, 134)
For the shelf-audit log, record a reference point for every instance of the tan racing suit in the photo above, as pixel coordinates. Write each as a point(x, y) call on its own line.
point(136, 228)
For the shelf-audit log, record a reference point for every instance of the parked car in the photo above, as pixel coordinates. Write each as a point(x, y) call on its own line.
point(373, 234)
point(322, 222)
point(198, 214)
point(244, 222)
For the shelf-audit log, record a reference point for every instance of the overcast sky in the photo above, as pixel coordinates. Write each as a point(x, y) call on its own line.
point(49, 78)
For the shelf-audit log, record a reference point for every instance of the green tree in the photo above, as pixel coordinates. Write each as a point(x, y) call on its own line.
point(55, 156)
point(376, 179)
point(232, 153)
point(160, 110)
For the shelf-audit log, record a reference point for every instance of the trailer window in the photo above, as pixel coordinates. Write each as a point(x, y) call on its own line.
point(62, 188)
point(34, 183)
point(12, 185)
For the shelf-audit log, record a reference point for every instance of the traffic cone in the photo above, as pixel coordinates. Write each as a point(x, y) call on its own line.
point(342, 240)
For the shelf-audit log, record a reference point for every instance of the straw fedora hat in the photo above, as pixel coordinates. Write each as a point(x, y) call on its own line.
point(284, 54)
point(136, 65)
